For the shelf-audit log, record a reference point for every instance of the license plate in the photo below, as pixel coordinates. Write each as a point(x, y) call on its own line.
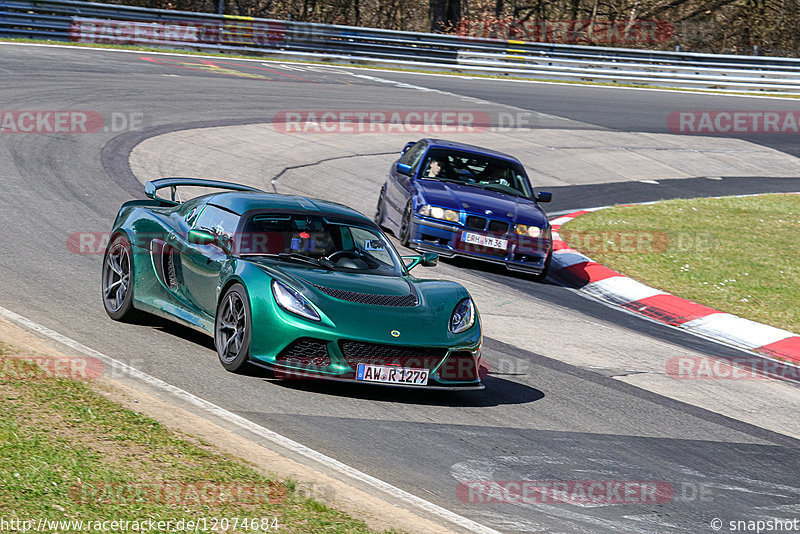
point(484, 240)
point(391, 374)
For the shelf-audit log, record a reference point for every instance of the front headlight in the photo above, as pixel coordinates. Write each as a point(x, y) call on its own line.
point(292, 301)
point(530, 231)
point(438, 213)
point(463, 316)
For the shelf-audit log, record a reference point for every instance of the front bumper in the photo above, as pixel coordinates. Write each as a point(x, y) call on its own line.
point(450, 368)
point(523, 253)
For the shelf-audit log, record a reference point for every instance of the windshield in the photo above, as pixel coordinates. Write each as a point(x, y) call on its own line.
point(476, 170)
point(317, 242)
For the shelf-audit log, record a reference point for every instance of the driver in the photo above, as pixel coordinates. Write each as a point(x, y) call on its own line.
point(495, 175)
point(437, 168)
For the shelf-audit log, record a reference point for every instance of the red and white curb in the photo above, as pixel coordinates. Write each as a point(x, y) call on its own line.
point(598, 281)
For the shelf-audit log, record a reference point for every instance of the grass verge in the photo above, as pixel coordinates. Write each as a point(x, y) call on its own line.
point(67, 453)
point(737, 255)
point(355, 63)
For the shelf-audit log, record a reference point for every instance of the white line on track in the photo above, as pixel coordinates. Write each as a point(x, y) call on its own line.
point(261, 431)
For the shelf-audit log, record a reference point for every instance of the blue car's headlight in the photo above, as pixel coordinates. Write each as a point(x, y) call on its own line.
point(530, 231)
point(438, 213)
point(292, 301)
point(463, 316)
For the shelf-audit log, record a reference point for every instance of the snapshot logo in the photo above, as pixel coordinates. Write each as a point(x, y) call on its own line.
point(745, 368)
point(177, 493)
point(577, 492)
point(67, 121)
point(568, 31)
point(380, 121)
point(49, 367)
point(733, 122)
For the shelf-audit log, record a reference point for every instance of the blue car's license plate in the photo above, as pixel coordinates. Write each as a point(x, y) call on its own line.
point(484, 240)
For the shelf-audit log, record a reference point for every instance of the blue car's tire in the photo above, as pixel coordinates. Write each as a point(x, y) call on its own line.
point(232, 329)
point(118, 280)
point(380, 211)
point(405, 226)
point(541, 276)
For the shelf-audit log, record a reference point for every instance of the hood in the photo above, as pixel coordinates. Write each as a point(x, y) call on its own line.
point(505, 207)
point(339, 281)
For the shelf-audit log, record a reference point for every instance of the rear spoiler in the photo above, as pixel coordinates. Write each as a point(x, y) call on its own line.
point(152, 187)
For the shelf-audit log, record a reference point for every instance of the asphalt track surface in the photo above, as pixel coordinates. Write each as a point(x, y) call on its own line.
point(548, 421)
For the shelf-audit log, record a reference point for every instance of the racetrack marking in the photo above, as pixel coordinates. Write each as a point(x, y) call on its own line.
point(248, 425)
point(403, 71)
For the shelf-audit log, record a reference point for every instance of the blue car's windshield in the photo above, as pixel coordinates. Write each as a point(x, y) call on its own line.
point(318, 242)
point(475, 170)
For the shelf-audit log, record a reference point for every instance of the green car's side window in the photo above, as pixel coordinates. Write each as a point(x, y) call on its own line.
point(217, 220)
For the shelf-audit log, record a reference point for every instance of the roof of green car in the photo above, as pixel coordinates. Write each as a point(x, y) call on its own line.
point(240, 202)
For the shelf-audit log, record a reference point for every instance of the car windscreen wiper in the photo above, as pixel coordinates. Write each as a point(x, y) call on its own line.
point(293, 256)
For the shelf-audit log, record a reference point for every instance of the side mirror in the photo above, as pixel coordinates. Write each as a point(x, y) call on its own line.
point(204, 237)
point(402, 168)
point(201, 237)
point(544, 197)
point(408, 145)
point(430, 259)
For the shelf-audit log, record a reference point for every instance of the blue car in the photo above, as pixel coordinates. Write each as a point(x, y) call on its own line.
point(462, 200)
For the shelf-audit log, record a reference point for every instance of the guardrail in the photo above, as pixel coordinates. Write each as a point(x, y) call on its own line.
point(69, 20)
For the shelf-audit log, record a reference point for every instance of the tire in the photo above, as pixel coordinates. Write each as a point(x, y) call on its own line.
point(541, 276)
point(380, 212)
point(232, 329)
point(405, 226)
point(118, 281)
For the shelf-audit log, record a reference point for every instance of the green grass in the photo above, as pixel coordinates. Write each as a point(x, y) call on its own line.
point(69, 453)
point(382, 67)
point(738, 255)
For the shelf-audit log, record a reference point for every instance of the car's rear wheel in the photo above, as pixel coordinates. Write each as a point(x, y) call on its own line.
point(380, 212)
point(405, 226)
point(118, 281)
point(232, 328)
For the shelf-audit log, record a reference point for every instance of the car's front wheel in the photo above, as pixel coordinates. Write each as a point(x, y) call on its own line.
point(232, 328)
point(380, 212)
point(542, 275)
point(405, 226)
point(118, 281)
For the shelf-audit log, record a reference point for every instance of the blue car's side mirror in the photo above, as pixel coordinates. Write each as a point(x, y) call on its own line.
point(544, 197)
point(402, 168)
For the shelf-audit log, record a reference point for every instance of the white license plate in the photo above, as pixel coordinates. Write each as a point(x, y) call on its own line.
point(391, 374)
point(484, 240)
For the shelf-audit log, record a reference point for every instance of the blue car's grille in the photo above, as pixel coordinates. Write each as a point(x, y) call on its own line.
point(398, 301)
point(356, 352)
point(500, 227)
point(477, 223)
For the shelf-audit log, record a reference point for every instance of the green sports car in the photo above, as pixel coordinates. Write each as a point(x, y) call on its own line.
point(302, 287)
